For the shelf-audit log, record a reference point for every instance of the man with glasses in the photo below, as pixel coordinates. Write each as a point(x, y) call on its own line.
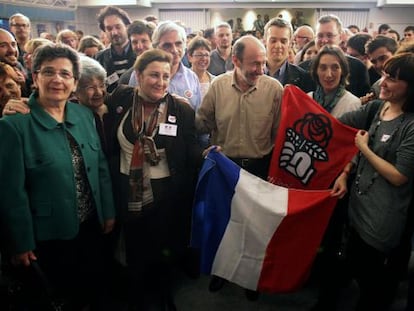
point(119, 56)
point(301, 37)
point(328, 31)
point(20, 27)
point(220, 59)
point(278, 39)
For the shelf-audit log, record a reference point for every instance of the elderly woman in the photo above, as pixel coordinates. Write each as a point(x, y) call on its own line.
point(330, 72)
point(89, 45)
point(381, 196)
point(9, 85)
point(56, 201)
point(157, 153)
point(91, 92)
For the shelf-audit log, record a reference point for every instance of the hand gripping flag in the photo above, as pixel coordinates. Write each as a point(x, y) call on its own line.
point(311, 146)
point(253, 233)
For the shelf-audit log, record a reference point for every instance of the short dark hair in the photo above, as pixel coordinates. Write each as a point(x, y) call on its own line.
point(379, 42)
point(409, 28)
point(149, 56)
point(401, 67)
point(358, 42)
point(208, 33)
point(139, 27)
point(383, 27)
point(51, 52)
point(334, 51)
point(306, 47)
point(354, 26)
point(196, 43)
point(279, 22)
point(112, 10)
point(395, 32)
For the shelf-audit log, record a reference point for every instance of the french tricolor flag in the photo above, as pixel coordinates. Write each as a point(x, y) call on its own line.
point(258, 235)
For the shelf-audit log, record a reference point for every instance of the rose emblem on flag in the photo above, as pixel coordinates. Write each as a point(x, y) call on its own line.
point(305, 143)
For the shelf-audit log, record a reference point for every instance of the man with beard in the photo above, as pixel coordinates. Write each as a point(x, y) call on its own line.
point(220, 59)
point(119, 56)
point(20, 27)
point(241, 111)
point(9, 54)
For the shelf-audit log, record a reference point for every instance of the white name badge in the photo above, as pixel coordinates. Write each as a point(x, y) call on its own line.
point(112, 78)
point(168, 129)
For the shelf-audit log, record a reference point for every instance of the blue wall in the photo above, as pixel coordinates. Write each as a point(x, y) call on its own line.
point(37, 14)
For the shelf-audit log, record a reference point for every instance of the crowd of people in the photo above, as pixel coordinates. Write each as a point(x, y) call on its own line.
point(102, 138)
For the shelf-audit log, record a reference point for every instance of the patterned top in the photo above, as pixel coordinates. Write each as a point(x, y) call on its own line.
point(83, 189)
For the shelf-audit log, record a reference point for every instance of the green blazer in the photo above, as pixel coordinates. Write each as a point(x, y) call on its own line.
point(38, 191)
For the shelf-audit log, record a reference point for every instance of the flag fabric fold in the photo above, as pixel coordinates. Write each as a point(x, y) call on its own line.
point(311, 146)
point(258, 235)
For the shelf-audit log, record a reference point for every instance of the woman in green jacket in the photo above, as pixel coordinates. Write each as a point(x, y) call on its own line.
point(56, 203)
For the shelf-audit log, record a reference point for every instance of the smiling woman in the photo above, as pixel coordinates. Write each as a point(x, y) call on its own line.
point(330, 72)
point(155, 153)
point(57, 200)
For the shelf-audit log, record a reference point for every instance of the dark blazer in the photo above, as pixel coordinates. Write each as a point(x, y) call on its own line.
point(38, 200)
point(359, 83)
point(124, 79)
point(183, 151)
point(299, 77)
point(296, 76)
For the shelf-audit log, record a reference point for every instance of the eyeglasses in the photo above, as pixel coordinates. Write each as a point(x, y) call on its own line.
point(201, 55)
point(50, 73)
point(304, 38)
point(20, 25)
point(328, 36)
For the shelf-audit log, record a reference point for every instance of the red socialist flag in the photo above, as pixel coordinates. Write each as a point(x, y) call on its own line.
point(311, 146)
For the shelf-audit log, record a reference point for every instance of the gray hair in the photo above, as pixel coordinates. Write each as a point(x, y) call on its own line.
point(166, 27)
point(222, 25)
point(11, 18)
point(90, 69)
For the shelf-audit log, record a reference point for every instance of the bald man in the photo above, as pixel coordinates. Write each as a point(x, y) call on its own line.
point(302, 35)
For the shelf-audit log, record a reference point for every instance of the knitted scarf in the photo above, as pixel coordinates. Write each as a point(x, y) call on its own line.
point(328, 101)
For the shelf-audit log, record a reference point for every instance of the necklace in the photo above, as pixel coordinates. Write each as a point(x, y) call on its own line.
point(387, 139)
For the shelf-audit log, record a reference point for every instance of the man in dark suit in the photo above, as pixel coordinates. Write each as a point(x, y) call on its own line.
point(328, 31)
point(278, 38)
